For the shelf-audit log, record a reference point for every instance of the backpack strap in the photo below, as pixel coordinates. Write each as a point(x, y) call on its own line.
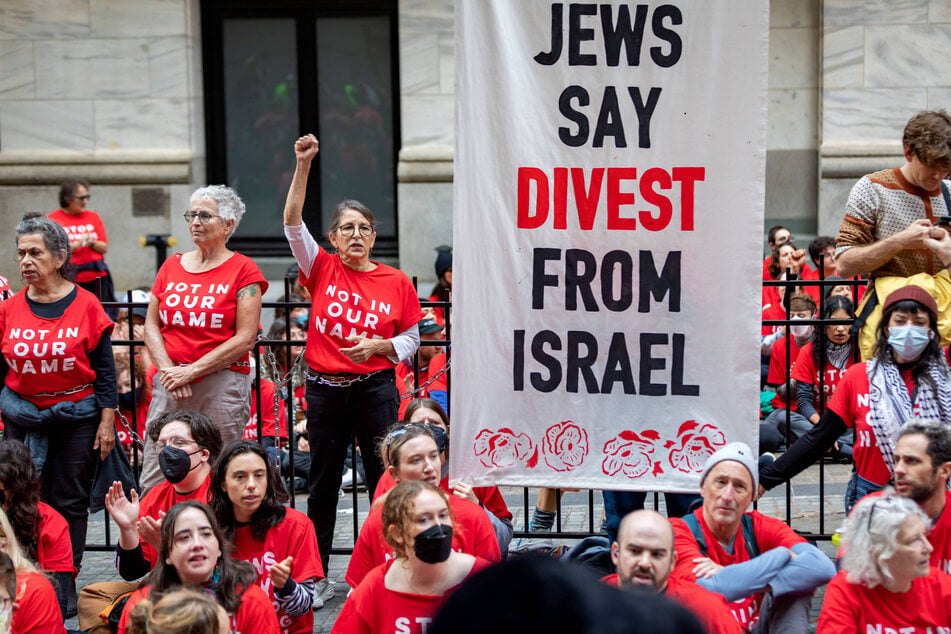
point(749, 539)
point(694, 525)
point(746, 524)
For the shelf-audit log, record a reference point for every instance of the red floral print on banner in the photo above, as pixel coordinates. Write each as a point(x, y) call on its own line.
point(628, 453)
point(505, 448)
point(565, 446)
point(696, 445)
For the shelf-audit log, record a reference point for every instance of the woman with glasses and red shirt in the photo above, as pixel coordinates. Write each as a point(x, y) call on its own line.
point(363, 321)
point(202, 321)
point(87, 240)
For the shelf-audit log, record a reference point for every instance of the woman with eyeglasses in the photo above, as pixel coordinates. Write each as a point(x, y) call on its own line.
point(428, 412)
point(411, 453)
point(907, 376)
point(59, 376)
point(363, 320)
point(886, 583)
point(195, 555)
point(418, 526)
point(248, 498)
point(87, 239)
point(37, 609)
point(201, 324)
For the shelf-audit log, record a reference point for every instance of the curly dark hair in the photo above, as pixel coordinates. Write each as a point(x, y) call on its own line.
point(774, 269)
point(269, 514)
point(932, 352)
point(234, 576)
point(928, 136)
point(21, 494)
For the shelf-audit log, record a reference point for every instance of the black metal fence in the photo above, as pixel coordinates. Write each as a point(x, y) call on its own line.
point(264, 347)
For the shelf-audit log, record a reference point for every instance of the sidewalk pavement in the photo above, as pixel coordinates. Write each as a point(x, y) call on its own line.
point(804, 516)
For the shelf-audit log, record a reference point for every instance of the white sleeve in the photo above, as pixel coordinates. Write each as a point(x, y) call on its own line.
point(303, 246)
point(405, 343)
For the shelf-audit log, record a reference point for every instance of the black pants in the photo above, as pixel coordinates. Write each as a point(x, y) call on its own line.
point(67, 475)
point(366, 410)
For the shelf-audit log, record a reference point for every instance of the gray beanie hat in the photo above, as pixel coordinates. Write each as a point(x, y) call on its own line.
point(737, 451)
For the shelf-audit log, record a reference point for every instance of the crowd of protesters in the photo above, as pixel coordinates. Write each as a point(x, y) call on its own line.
point(208, 543)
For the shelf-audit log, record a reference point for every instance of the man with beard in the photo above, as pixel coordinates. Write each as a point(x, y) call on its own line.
point(644, 556)
point(756, 562)
point(922, 469)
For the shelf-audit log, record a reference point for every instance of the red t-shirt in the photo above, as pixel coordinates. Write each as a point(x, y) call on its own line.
point(47, 356)
point(777, 369)
point(850, 607)
point(472, 534)
point(293, 537)
point(439, 378)
point(159, 499)
point(378, 304)
point(490, 497)
point(710, 608)
point(851, 402)
point(54, 552)
point(267, 414)
point(84, 225)
point(804, 371)
point(198, 311)
point(770, 533)
point(404, 370)
point(37, 608)
point(255, 616)
point(772, 311)
point(373, 608)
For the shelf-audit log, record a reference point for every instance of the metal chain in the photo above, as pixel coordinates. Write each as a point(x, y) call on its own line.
point(72, 390)
point(136, 439)
point(412, 394)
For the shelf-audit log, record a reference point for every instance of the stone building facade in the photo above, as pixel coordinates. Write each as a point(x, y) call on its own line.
point(114, 91)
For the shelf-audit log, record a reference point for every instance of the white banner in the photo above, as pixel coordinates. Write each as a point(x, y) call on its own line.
point(608, 214)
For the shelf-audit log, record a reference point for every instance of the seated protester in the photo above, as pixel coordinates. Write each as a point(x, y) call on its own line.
point(248, 498)
point(188, 442)
point(194, 554)
point(41, 531)
point(130, 397)
point(765, 570)
point(776, 236)
point(821, 247)
point(411, 453)
point(426, 411)
point(35, 608)
point(406, 371)
point(786, 260)
point(813, 368)
point(644, 556)
point(773, 428)
point(272, 436)
point(439, 380)
point(886, 583)
point(922, 470)
point(906, 377)
point(180, 612)
point(404, 593)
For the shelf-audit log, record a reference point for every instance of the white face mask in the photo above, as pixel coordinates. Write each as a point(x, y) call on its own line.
point(801, 330)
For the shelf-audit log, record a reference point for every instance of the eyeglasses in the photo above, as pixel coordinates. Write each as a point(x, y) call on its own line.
point(347, 231)
point(885, 500)
point(176, 442)
point(203, 216)
point(83, 198)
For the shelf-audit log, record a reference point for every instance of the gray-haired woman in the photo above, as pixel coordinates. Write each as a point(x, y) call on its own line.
point(202, 321)
point(886, 583)
point(58, 372)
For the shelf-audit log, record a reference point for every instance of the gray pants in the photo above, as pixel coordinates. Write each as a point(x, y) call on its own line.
point(788, 614)
point(222, 396)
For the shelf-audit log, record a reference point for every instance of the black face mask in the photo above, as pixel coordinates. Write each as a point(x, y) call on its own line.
point(176, 463)
point(125, 399)
point(434, 544)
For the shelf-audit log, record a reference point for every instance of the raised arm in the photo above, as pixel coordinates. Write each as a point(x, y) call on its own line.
point(305, 149)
